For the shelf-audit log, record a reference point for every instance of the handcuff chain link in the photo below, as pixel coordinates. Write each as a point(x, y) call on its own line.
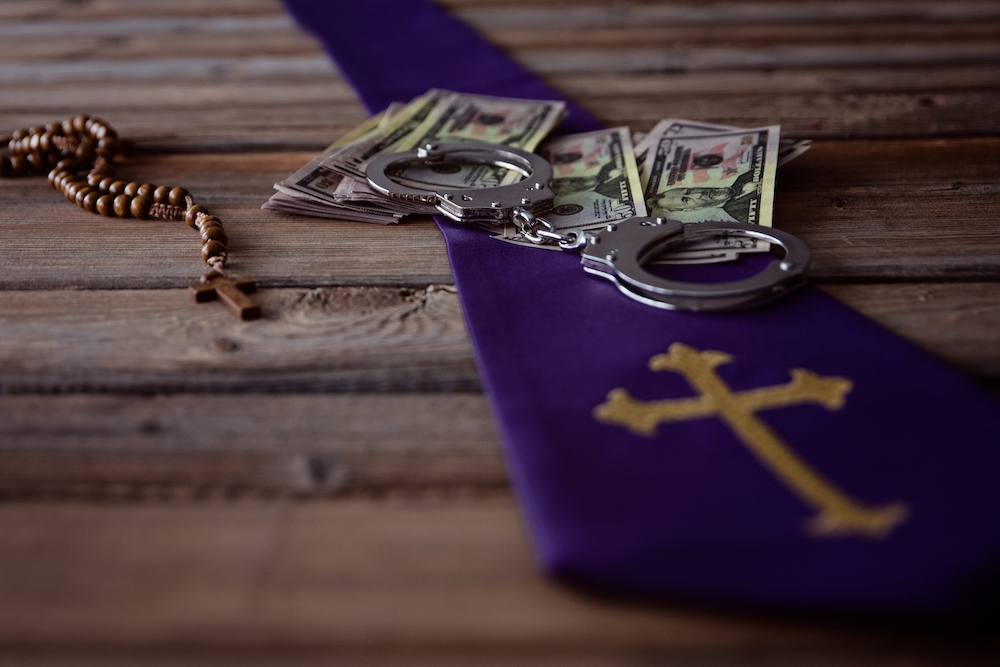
point(539, 230)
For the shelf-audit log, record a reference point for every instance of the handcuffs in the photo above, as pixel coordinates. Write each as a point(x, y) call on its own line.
point(616, 252)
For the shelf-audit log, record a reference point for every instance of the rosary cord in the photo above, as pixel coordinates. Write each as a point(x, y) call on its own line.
point(66, 149)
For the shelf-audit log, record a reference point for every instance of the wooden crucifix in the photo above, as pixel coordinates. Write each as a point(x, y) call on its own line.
point(232, 292)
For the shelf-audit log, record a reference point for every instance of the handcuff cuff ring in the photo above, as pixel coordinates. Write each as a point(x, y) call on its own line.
point(618, 252)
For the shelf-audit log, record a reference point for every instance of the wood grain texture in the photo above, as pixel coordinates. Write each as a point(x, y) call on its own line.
point(352, 339)
point(269, 124)
point(350, 574)
point(923, 654)
point(906, 42)
point(924, 80)
point(825, 70)
point(181, 446)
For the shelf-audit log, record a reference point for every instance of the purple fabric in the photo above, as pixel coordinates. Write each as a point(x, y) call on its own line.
point(690, 513)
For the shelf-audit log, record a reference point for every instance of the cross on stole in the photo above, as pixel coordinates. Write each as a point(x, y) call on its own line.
point(838, 513)
point(232, 292)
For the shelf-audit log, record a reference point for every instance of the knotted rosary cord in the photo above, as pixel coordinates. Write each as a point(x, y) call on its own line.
point(81, 144)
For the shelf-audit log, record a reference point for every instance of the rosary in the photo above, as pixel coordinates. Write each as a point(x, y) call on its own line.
point(69, 148)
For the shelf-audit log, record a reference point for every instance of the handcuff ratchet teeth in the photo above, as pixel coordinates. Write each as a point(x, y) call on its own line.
point(618, 252)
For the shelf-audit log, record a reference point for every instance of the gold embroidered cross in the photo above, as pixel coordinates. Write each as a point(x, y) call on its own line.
point(838, 513)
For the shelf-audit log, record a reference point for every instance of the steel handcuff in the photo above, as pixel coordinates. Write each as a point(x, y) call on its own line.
point(617, 252)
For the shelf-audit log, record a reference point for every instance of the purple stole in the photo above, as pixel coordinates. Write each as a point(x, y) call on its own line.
point(792, 457)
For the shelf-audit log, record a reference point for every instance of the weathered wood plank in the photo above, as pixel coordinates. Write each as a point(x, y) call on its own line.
point(959, 322)
point(354, 574)
point(924, 80)
point(146, 37)
point(272, 125)
point(945, 113)
point(210, 127)
point(594, 13)
point(904, 651)
point(637, 34)
point(354, 339)
point(104, 10)
point(730, 58)
point(603, 13)
point(190, 95)
point(100, 447)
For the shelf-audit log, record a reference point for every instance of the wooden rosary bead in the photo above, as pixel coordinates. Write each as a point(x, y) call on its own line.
point(36, 129)
point(38, 161)
point(131, 189)
point(106, 205)
point(94, 179)
point(123, 206)
point(105, 183)
point(214, 234)
point(17, 135)
point(18, 165)
point(191, 216)
point(161, 195)
point(67, 127)
point(140, 207)
point(110, 145)
point(90, 201)
point(178, 197)
point(82, 193)
point(117, 187)
point(79, 123)
point(212, 249)
point(100, 130)
point(146, 190)
point(55, 127)
point(67, 163)
point(85, 151)
point(33, 142)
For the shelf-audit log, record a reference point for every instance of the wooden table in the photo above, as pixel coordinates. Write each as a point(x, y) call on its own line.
point(183, 488)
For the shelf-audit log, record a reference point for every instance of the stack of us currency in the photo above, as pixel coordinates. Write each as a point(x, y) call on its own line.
point(682, 170)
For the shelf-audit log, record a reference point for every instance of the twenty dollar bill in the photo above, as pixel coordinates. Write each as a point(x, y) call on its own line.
point(722, 176)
